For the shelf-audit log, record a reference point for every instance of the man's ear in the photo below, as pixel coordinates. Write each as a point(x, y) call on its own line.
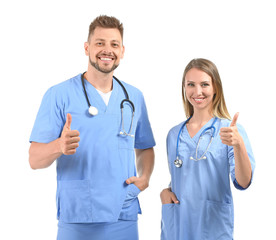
point(86, 48)
point(123, 52)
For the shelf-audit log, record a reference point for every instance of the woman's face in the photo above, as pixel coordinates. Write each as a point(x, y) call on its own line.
point(199, 89)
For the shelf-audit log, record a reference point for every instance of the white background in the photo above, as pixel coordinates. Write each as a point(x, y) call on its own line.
point(42, 45)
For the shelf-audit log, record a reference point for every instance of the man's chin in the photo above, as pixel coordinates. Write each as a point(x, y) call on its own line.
point(102, 69)
point(106, 71)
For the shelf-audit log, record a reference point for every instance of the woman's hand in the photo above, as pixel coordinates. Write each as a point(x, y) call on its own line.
point(167, 196)
point(230, 135)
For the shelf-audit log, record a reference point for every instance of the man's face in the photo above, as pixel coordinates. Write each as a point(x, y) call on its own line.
point(105, 49)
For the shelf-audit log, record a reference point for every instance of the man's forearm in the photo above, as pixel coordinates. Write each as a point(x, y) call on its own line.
point(42, 155)
point(145, 162)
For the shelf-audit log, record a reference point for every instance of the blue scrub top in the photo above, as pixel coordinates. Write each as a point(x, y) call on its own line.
point(203, 188)
point(91, 183)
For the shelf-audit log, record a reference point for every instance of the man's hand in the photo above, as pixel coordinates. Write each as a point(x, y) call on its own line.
point(69, 140)
point(140, 182)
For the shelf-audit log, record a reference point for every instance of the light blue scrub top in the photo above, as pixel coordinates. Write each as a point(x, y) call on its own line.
point(206, 208)
point(91, 183)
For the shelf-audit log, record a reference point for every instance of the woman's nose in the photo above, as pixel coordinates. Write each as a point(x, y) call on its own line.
point(198, 90)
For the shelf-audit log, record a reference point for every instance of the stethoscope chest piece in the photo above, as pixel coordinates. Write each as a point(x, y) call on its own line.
point(178, 162)
point(93, 111)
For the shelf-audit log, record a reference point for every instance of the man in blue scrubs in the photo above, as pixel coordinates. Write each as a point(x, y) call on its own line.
point(97, 186)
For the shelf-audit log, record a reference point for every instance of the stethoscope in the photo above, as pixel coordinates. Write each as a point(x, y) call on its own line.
point(178, 162)
point(94, 111)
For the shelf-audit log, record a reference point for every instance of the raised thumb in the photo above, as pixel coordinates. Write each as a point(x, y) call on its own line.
point(235, 119)
point(68, 122)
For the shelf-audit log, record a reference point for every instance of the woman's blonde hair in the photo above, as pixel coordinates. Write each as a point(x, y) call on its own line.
point(219, 108)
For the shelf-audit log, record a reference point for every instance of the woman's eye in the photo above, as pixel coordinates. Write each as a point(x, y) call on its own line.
point(190, 84)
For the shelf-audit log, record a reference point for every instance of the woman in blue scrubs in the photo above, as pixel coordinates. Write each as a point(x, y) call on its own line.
point(198, 204)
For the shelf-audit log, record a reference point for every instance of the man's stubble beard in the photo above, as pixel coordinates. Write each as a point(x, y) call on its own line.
point(96, 65)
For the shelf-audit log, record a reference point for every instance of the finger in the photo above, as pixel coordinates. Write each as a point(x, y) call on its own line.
point(226, 135)
point(225, 129)
point(227, 143)
point(174, 199)
point(72, 133)
point(224, 140)
point(69, 142)
point(69, 137)
point(73, 140)
point(70, 152)
point(235, 119)
point(68, 122)
point(72, 146)
point(131, 180)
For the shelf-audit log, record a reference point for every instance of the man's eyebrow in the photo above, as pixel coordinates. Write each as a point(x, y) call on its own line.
point(100, 39)
point(117, 41)
point(103, 40)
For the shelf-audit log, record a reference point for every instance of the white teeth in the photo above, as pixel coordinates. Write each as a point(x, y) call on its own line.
point(106, 59)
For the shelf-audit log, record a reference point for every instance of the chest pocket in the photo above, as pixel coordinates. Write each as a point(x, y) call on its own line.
point(127, 141)
point(127, 128)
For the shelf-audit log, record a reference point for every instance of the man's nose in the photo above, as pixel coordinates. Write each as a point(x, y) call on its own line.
point(107, 50)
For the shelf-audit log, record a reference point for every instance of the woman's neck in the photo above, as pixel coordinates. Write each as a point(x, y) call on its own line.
point(200, 118)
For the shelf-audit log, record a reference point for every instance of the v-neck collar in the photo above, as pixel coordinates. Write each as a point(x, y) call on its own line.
point(96, 99)
point(196, 136)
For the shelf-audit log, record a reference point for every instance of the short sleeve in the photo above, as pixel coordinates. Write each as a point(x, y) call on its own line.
point(232, 158)
point(143, 136)
point(49, 120)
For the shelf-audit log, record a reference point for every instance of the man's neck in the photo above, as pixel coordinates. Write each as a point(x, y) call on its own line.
point(99, 80)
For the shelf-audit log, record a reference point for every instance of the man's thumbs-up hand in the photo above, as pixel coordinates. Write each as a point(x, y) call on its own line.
point(69, 138)
point(230, 135)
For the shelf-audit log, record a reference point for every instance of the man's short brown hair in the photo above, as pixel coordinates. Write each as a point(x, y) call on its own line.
point(104, 21)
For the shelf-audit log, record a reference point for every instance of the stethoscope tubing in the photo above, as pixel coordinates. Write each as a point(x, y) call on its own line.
point(122, 86)
point(123, 132)
point(178, 162)
point(178, 136)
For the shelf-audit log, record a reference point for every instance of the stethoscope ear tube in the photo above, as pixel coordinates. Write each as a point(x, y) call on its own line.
point(85, 93)
point(131, 103)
